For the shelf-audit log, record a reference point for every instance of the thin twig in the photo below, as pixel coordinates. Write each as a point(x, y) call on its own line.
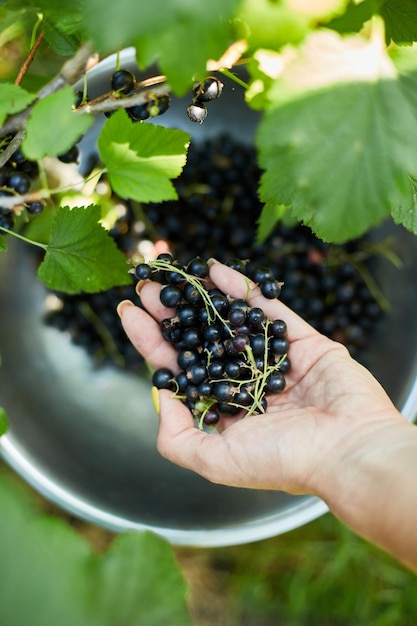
point(12, 147)
point(70, 72)
point(29, 59)
point(110, 102)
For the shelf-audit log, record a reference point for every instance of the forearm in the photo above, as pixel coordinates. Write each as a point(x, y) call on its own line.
point(374, 490)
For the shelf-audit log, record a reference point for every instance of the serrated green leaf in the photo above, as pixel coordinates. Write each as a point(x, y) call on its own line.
point(355, 16)
point(400, 18)
point(13, 99)
point(81, 256)
point(50, 575)
point(141, 158)
point(53, 127)
point(338, 139)
point(407, 215)
point(4, 422)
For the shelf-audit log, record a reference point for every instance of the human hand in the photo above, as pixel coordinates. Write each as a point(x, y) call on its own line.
point(330, 407)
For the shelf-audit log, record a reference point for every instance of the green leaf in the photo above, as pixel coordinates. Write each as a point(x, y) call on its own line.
point(355, 16)
point(400, 18)
point(180, 34)
point(271, 214)
point(81, 255)
point(407, 215)
point(138, 580)
point(337, 141)
point(53, 127)
point(141, 158)
point(4, 422)
point(50, 575)
point(13, 99)
point(62, 43)
point(3, 244)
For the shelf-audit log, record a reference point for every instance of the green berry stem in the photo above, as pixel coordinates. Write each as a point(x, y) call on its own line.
point(233, 77)
point(23, 238)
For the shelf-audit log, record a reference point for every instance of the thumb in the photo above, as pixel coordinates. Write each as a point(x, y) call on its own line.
point(179, 440)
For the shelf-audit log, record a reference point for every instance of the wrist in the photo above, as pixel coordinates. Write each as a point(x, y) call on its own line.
point(370, 486)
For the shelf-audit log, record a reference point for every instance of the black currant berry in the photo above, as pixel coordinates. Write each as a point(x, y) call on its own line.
point(275, 383)
point(209, 89)
point(19, 181)
point(123, 81)
point(211, 417)
point(7, 220)
point(163, 378)
point(197, 112)
point(278, 346)
point(223, 391)
point(196, 373)
point(71, 156)
point(170, 295)
point(143, 271)
point(256, 318)
point(198, 267)
point(278, 328)
point(270, 288)
point(191, 294)
point(186, 358)
point(139, 112)
point(159, 106)
point(34, 208)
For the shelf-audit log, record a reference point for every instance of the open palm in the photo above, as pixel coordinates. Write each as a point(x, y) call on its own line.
point(330, 405)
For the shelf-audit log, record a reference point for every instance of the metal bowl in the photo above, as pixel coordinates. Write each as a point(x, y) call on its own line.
point(85, 437)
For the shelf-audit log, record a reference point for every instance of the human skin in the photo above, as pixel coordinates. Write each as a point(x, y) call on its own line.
point(333, 432)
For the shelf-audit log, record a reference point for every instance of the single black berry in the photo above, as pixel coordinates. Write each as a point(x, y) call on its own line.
point(138, 112)
point(143, 271)
point(123, 81)
point(170, 295)
point(275, 383)
point(197, 112)
point(270, 288)
point(34, 208)
point(71, 156)
point(163, 378)
point(209, 89)
point(19, 181)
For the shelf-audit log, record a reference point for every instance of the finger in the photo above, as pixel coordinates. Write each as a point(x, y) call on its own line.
point(145, 334)
point(237, 285)
point(149, 294)
point(182, 443)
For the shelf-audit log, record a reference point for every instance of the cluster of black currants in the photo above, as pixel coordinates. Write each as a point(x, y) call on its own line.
point(16, 178)
point(205, 91)
point(123, 82)
point(229, 354)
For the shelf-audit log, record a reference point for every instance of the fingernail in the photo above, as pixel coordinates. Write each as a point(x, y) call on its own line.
point(155, 398)
point(122, 306)
point(211, 262)
point(139, 285)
